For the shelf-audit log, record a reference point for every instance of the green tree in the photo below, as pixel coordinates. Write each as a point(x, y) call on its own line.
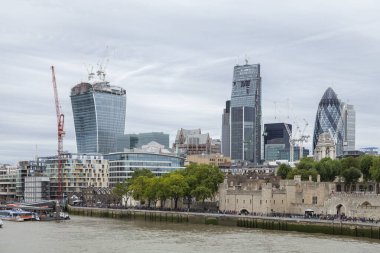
point(201, 175)
point(283, 170)
point(201, 193)
point(306, 163)
point(351, 176)
point(350, 162)
point(163, 192)
point(121, 190)
point(365, 165)
point(328, 169)
point(138, 187)
point(141, 172)
point(151, 190)
point(375, 169)
point(177, 186)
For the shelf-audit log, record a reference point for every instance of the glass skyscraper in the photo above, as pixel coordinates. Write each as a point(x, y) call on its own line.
point(99, 116)
point(329, 120)
point(276, 139)
point(245, 114)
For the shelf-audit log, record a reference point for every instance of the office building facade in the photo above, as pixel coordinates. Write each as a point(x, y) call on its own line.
point(245, 114)
point(349, 127)
point(99, 116)
point(122, 165)
point(276, 139)
point(131, 141)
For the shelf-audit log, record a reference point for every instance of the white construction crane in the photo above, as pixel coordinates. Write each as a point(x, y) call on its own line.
point(303, 138)
point(292, 142)
point(294, 139)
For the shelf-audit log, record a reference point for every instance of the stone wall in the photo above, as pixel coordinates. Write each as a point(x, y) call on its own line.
point(295, 197)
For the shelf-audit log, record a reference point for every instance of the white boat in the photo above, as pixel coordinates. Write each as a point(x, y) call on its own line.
point(64, 216)
point(16, 215)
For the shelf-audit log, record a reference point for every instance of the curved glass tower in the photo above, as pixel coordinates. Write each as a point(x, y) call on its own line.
point(329, 120)
point(99, 116)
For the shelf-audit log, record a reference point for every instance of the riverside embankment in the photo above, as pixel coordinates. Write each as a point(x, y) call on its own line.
point(256, 222)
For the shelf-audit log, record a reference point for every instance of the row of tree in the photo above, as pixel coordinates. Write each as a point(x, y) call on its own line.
point(196, 181)
point(350, 168)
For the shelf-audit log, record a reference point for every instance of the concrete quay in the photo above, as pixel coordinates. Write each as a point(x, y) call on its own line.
point(353, 229)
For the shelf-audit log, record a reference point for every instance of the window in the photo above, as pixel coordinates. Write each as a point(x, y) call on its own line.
point(315, 200)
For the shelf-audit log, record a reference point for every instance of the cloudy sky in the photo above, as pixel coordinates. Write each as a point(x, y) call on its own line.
point(175, 59)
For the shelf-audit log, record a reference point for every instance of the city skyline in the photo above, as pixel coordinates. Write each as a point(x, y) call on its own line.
point(183, 79)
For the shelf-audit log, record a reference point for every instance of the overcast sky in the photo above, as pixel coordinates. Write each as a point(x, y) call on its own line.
point(176, 58)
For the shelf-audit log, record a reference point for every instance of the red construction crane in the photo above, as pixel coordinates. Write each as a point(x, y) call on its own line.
point(61, 134)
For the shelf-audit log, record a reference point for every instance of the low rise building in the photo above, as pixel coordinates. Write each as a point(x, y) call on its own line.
point(79, 171)
point(123, 164)
point(8, 183)
point(247, 194)
point(210, 159)
point(36, 189)
point(191, 142)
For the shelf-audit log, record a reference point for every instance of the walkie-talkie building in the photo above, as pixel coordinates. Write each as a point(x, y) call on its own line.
point(245, 114)
point(99, 115)
point(329, 120)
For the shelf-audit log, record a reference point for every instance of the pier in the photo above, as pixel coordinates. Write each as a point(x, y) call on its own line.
point(353, 229)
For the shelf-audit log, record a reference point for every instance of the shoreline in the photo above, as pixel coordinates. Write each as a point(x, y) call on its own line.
point(351, 229)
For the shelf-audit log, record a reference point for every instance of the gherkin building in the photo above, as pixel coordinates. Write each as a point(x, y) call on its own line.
point(329, 120)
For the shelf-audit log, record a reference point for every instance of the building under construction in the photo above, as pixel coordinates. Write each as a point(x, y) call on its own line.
point(192, 142)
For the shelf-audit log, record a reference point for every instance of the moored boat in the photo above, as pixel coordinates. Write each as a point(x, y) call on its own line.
point(1, 223)
point(16, 215)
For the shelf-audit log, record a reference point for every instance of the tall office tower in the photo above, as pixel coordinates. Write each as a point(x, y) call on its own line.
point(349, 127)
point(329, 120)
point(99, 114)
point(245, 114)
point(226, 129)
point(276, 139)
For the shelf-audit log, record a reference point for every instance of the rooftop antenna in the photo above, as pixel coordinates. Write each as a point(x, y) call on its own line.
point(102, 65)
point(36, 152)
point(246, 59)
point(90, 72)
point(275, 110)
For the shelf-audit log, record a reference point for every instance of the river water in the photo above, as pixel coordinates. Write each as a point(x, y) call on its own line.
point(87, 234)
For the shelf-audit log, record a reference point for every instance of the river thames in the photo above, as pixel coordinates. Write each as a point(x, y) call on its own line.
point(87, 234)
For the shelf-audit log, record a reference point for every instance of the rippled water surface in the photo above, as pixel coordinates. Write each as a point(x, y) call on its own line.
point(86, 234)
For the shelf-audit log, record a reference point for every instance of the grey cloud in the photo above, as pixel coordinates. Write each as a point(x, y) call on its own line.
point(175, 59)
